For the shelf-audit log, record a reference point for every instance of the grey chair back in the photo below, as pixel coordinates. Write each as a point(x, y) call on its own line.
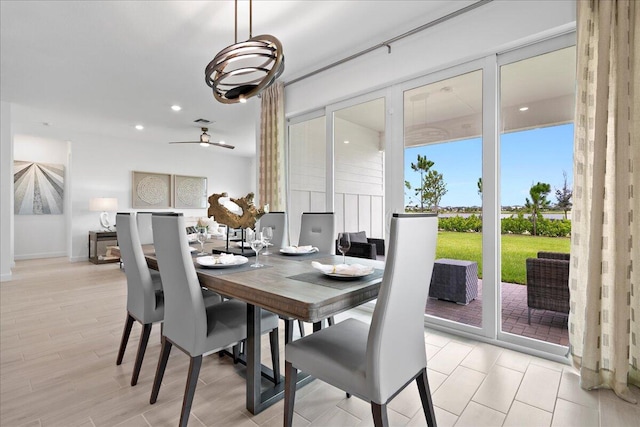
point(141, 294)
point(318, 229)
point(278, 223)
point(185, 319)
point(143, 219)
point(395, 346)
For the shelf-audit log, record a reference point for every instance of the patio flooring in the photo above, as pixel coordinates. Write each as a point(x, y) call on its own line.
point(546, 325)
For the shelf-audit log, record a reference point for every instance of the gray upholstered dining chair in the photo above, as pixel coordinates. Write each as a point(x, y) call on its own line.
point(376, 362)
point(318, 229)
point(278, 223)
point(145, 302)
point(193, 326)
point(145, 231)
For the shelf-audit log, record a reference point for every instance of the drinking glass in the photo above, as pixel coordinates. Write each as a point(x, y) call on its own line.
point(202, 237)
point(267, 235)
point(344, 244)
point(256, 244)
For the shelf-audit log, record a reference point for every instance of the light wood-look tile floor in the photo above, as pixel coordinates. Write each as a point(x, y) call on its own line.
point(61, 324)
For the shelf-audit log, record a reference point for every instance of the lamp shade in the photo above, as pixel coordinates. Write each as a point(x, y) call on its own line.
point(103, 204)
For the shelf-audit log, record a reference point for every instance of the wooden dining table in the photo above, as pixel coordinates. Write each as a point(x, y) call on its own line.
point(289, 286)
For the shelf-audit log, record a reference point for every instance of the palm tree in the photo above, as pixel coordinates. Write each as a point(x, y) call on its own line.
point(538, 193)
point(422, 165)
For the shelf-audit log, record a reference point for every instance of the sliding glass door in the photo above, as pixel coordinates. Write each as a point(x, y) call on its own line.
point(443, 174)
point(487, 145)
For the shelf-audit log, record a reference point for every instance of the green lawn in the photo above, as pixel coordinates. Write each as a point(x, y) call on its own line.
point(515, 250)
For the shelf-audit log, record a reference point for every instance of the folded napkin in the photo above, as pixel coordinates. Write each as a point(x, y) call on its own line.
point(300, 249)
point(226, 259)
point(343, 269)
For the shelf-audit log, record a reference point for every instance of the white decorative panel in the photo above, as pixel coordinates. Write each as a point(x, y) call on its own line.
point(351, 212)
point(377, 217)
point(364, 213)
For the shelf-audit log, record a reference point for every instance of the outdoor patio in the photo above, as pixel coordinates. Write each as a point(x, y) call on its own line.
point(548, 326)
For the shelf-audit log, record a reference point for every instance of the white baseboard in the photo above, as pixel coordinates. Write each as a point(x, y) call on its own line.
point(42, 255)
point(79, 258)
point(5, 277)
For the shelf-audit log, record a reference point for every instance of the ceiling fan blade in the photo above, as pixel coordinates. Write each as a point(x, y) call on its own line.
point(217, 144)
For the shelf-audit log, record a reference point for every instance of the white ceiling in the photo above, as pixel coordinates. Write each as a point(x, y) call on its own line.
point(104, 66)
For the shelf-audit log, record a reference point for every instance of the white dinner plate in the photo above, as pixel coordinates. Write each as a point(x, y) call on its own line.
point(290, 252)
point(211, 261)
point(347, 276)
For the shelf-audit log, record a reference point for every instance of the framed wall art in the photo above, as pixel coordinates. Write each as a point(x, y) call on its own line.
point(151, 190)
point(190, 192)
point(38, 188)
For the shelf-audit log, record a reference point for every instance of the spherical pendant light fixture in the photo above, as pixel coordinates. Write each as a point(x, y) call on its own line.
point(245, 69)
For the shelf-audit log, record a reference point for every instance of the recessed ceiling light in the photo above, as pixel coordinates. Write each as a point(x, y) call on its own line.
point(139, 127)
point(346, 142)
point(524, 108)
point(176, 107)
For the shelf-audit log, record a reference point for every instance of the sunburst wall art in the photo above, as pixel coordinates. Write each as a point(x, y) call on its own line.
point(38, 188)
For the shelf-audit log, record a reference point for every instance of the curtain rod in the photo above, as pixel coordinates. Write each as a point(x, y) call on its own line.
point(387, 43)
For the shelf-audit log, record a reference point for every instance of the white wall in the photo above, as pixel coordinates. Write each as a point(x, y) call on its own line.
point(6, 193)
point(101, 166)
point(41, 236)
point(490, 28)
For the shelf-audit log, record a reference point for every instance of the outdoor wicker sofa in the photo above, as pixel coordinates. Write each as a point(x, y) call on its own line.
point(363, 246)
point(548, 282)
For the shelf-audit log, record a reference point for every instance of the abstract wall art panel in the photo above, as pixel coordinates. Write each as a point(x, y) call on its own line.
point(38, 188)
point(151, 190)
point(190, 192)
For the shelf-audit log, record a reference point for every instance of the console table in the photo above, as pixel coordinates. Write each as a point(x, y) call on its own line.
point(99, 247)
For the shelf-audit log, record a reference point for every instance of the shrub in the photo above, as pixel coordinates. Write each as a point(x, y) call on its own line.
point(473, 223)
point(516, 225)
point(554, 227)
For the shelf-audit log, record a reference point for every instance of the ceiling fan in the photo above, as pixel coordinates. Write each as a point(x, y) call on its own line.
point(205, 141)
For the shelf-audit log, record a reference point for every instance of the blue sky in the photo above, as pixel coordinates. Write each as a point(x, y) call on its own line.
point(526, 157)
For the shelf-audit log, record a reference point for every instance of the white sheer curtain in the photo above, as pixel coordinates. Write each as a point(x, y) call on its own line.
point(272, 128)
point(604, 322)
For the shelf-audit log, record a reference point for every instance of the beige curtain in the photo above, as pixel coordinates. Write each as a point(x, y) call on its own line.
point(604, 321)
point(272, 128)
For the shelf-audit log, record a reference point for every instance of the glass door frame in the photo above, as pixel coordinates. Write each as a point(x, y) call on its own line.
point(489, 179)
point(329, 113)
point(504, 58)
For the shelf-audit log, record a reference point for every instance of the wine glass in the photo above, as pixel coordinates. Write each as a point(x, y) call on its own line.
point(256, 244)
point(267, 235)
point(344, 244)
point(202, 237)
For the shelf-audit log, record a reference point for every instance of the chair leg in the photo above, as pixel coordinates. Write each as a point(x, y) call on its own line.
point(274, 341)
point(162, 364)
point(301, 327)
point(236, 354)
point(330, 320)
point(379, 415)
point(142, 347)
point(425, 397)
point(288, 330)
point(290, 379)
point(190, 389)
point(528, 315)
point(125, 338)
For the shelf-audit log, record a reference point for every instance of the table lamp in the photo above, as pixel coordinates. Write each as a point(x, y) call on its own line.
point(104, 205)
